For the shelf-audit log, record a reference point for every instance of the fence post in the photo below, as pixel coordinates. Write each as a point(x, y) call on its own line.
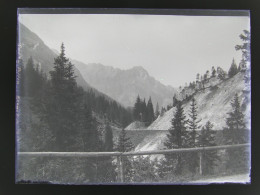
point(120, 169)
point(200, 156)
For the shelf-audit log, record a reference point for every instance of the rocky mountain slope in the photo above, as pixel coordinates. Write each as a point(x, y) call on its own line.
point(125, 85)
point(213, 105)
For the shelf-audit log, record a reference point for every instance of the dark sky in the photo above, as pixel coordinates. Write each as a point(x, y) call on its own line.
point(173, 49)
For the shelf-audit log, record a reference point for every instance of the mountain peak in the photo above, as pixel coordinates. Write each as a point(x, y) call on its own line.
point(140, 71)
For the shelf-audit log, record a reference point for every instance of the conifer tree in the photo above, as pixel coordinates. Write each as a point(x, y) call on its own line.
point(235, 122)
point(233, 70)
point(197, 78)
point(193, 125)
point(163, 110)
point(105, 168)
point(177, 138)
point(193, 122)
point(143, 112)
point(125, 145)
point(174, 101)
point(150, 111)
point(108, 143)
point(235, 134)
point(137, 109)
point(63, 103)
point(21, 78)
point(221, 73)
point(209, 158)
point(157, 112)
point(246, 54)
point(213, 71)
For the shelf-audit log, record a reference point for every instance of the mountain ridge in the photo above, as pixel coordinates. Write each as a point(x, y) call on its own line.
point(114, 82)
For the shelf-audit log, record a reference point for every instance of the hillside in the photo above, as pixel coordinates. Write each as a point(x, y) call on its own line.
point(31, 45)
point(125, 85)
point(213, 105)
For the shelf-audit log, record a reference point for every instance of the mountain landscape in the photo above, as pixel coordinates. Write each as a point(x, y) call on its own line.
point(137, 81)
point(70, 106)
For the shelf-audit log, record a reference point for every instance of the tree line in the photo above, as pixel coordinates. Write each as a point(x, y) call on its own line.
point(144, 112)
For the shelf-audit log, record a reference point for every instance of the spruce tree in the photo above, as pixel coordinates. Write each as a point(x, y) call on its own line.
point(213, 71)
point(108, 143)
point(144, 112)
point(193, 122)
point(106, 169)
point(157, 112)
point(63, 103)
point(21, 78)
point(235, 134)
point(125, 145)
point(177, 138)
point(193, 126)
point(235, 123)
point(150, 112)
point(221, 73)
point(233, 70)
point(209, 158)
point(246, 54)
point(137, 109)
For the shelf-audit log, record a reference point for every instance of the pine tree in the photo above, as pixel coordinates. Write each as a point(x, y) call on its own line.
point(193, 125)
point(105, 168)
point(31, 82)
point(213, 71)
point(197, 78)
point(163, 110)
point(209, 158)
point(63, 103)
point(246, 54)
point(235, 134)
point(88, 131)
point(246, 46)
point(235, 122)
point(174, 101)
point(21, 78)
point(137, 109)
point(193, 122)
point(125, 145)
point(177, 138)
point(221, 73)
point(108, 143)
point(233, 70)
point(157, 112)
point(150, 111)
point(143, 111)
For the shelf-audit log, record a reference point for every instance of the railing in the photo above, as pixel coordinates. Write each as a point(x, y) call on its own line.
point(119, 155)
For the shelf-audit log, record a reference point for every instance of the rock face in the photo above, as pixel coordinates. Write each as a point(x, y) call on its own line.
point(213, 105)
point(125, 85)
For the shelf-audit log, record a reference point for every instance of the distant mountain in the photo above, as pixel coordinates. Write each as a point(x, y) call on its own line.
point(213, 105)
point(125, 85)
point(30, 45)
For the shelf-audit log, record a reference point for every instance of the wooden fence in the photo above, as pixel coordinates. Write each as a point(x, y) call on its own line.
point(120, 155)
